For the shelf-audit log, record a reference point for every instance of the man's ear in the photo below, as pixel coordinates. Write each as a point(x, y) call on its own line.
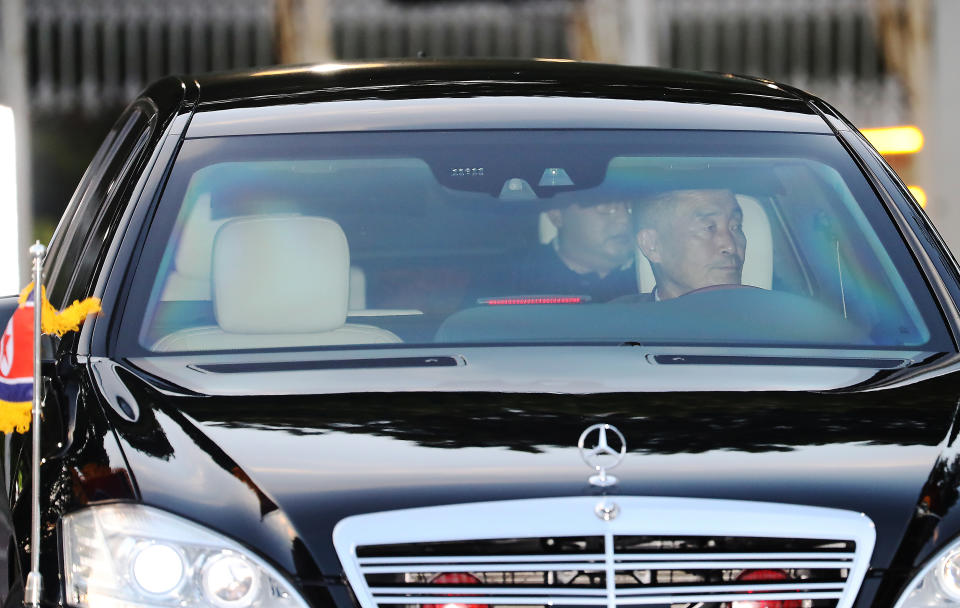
point(649, 243)
point(556, 217)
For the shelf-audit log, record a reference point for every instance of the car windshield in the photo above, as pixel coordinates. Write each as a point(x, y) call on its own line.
point(493, 237)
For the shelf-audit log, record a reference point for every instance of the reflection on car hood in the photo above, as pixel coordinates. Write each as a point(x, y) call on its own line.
point(279, 472)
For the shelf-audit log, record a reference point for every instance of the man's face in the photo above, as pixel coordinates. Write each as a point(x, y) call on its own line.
point(594, 238)
point(699, 242)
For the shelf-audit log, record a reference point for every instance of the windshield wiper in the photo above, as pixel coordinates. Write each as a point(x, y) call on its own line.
point(780, 360)
point(296, 366)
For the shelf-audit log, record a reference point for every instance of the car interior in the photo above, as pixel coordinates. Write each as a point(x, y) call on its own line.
point(330, 252)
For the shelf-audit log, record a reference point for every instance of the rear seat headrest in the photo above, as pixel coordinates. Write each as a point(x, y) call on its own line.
point(285, 274)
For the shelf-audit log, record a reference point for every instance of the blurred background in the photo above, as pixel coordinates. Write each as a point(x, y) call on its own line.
point(69, 67)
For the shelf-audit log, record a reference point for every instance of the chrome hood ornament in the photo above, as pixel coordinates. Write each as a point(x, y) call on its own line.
point(597, 452)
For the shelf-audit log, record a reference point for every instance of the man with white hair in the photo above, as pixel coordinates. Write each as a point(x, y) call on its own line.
point(693, 239)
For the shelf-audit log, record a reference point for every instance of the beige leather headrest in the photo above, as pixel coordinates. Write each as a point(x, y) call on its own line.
point(280, 275)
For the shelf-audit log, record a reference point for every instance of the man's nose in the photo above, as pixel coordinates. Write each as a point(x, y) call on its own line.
point(725, 241)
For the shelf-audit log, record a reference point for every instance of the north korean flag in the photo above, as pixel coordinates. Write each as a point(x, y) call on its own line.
point(16, 357)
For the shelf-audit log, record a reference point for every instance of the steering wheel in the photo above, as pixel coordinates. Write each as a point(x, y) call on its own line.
point(720, 287)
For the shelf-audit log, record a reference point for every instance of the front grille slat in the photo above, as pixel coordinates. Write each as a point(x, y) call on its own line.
point(655, 596)
point(728, 589)
point(509, 601)
point(622, 557)
point(798, 587)
point(728, 565)
point(509, 567)
point(466, 590)
point(459, 598)
point(561, 566)
point(374, 561)
point(517, 557)
point(705, 556)
point(752, 597)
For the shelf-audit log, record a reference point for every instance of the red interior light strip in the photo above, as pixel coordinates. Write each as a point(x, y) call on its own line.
point(534, 300)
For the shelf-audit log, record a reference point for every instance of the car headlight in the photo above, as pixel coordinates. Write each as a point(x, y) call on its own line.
point(937, 585)
point(133, 555)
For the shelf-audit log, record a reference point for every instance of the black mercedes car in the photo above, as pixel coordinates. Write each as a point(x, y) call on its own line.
point(468, 334)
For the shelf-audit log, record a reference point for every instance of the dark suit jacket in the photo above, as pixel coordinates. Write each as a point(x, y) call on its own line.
point(639, 298)
point(543, 272)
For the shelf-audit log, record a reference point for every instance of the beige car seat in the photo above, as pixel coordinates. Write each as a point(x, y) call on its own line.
point(757, 263)
point(278, 282)
point(189, 278)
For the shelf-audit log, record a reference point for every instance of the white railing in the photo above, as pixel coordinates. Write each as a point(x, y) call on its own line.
point(94, 53)
point(379, 28)
point(827, 47)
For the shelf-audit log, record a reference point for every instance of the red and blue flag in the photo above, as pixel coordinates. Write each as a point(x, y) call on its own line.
point(16, 369)
point(16, 353)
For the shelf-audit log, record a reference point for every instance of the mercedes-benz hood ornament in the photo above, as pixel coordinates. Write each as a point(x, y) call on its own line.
point(597, 451)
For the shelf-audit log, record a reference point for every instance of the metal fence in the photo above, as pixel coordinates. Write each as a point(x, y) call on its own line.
point(827, 47)
point(379, 28)
point(93, 53)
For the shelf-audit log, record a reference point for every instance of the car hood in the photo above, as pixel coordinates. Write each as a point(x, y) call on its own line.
point(278, 472)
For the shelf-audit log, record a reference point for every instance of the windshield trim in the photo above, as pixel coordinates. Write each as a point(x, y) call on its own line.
point(500, 113)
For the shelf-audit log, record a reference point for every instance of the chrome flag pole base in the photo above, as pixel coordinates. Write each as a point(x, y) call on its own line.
point(33, 589)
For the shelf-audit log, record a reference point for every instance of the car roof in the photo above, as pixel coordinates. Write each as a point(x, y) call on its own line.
point(446, 94)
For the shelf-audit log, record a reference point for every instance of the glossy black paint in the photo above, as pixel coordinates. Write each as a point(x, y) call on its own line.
point(276, 473)
point(83, 464)
point(491, 94)
point(891, 454)
point(432, 78)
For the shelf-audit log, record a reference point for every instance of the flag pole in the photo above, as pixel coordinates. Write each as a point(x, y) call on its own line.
point(34, 585)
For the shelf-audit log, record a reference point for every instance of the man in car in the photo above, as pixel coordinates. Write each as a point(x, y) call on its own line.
point(591, 255)
point(693, 238)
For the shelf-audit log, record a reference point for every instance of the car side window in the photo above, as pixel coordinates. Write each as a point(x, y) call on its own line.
point(56, 272)
point(85, 226)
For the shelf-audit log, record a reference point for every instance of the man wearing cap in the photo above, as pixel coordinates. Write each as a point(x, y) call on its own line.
point(591, 255)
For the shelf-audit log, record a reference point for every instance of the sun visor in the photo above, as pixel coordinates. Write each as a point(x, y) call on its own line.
point(647, 177)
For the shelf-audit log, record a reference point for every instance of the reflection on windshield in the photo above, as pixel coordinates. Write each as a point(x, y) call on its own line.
point(388, 240)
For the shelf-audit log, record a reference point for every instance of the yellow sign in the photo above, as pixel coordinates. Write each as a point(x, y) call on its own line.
point(895, 140)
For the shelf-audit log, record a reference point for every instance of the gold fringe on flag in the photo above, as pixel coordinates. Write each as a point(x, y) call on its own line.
point(15, 416)
point(60, 322)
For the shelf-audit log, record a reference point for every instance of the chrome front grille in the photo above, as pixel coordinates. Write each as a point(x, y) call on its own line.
point(658, 552)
